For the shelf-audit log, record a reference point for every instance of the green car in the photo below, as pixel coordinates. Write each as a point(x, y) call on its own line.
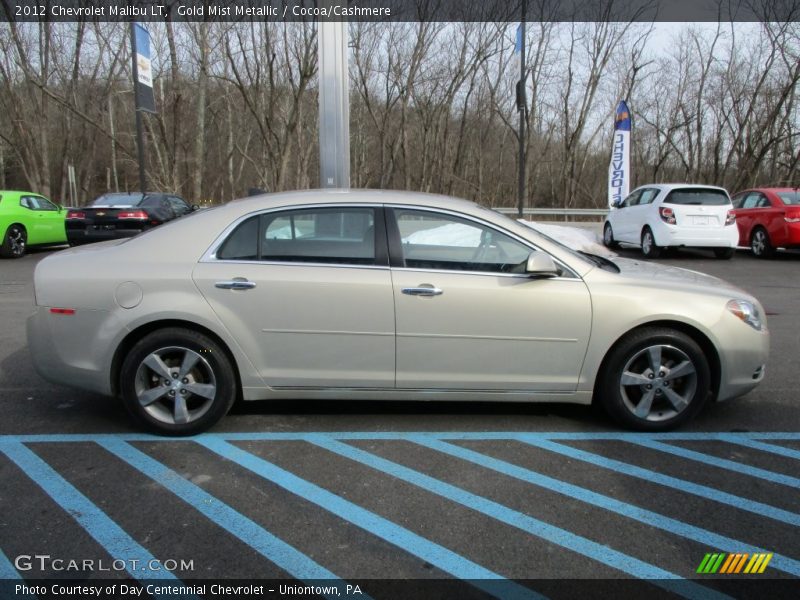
point(28, 219)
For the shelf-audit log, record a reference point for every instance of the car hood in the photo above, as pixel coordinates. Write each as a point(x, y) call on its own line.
point(656, 275)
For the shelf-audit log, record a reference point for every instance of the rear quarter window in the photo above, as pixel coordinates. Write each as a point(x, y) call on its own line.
point(697, 196)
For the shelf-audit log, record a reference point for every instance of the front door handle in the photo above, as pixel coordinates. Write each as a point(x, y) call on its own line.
point(423, 291)
point(237, 283)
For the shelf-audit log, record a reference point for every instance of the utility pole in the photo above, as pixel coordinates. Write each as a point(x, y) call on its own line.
point(334, 105)
point(521, 108)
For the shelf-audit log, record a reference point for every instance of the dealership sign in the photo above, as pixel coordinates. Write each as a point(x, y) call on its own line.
point(142, 69)
point(619, 169)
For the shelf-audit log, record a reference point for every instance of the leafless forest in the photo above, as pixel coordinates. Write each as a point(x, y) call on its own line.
point(432, 107)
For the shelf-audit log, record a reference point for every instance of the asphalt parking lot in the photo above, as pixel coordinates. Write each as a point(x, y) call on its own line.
point(503, 500)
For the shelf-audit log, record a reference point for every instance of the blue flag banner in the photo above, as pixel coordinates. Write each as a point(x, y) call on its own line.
point(142, 69)
point(619, 169)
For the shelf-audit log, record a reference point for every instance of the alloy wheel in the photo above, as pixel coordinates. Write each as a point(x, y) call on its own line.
point(175, 385)
point(16, 241)
point(658, 383)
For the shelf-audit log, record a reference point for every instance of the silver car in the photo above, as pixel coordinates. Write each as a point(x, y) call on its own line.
point(347, 295)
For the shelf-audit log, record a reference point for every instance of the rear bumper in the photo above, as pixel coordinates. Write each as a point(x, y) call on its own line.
point(670, 235)
point(83, 236)
point(71, 350)
point(792, 236)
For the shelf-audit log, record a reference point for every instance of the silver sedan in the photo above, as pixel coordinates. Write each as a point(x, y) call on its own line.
point(348, 295)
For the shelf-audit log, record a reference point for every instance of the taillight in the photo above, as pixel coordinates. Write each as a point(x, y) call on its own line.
point(792, 218)
point(76, 214)
point(667, 215)
point(730, 219)
point(132, 214)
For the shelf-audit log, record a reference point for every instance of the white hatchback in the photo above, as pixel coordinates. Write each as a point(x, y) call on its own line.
point(659, 216)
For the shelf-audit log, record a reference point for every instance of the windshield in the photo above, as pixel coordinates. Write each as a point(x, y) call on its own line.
point(118, 200)
point(790, 198)
point(698, 196)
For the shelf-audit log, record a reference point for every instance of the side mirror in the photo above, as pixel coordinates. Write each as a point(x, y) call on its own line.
point(540, 263)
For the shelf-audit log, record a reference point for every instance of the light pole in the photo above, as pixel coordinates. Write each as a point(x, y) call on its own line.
point(521, 108)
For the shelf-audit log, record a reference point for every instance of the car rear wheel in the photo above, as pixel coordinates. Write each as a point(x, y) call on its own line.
point(649, 247)
point(608, 237)
point(760, 244)
point(14, 242)
point(655, 379)
point(723, 253)
point(177, 382)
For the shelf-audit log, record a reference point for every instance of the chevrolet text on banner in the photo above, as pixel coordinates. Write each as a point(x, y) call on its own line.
point(619, 170)
point(142, 70)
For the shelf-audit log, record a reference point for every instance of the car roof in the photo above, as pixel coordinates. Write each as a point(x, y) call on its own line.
point(770, 189)
point(354, 196)
point(677, 186)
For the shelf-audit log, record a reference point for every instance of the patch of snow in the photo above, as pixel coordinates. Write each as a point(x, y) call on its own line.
point(577, 238)
point(586, 239)
point(454, 234)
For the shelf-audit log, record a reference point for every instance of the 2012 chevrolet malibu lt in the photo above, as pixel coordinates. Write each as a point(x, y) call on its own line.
point(347, 295)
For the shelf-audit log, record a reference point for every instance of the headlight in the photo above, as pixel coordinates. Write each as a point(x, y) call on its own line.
point(747, 312)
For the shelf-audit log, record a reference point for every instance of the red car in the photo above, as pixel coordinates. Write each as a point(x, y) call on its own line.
point(768, 218)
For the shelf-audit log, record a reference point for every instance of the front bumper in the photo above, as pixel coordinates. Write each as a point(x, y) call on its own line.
point(742, 362)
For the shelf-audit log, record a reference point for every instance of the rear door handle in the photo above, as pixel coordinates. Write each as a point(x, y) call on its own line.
point(423, 291)
point(237, 283)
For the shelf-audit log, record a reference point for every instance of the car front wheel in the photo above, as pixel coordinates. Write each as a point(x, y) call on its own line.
point(177, 382)
point(14, 242)
point(655, 379)
point(608, 236)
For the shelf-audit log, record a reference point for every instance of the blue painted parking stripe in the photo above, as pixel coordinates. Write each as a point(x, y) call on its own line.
point(698, 534)
point(7, 570)
point(9, 573)
point(722, 463)
point(756, 445)
point(272, 548)
point(399, 435)
point(439, 556)
point(689, 487)
point(551, 533)
point(97, 524)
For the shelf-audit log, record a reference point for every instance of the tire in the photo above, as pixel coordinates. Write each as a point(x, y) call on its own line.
point(649, 247)
point(723, 253)
point(15, 242)
point(673, 398)
point(760, 244)
point(165, 399)
point(608, 237)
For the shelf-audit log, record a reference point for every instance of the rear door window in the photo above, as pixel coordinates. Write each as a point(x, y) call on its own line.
point(319, 235)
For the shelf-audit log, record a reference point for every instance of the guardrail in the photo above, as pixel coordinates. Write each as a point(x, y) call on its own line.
point(566, 213)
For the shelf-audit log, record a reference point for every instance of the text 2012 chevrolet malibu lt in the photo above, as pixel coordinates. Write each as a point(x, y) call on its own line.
point(347, 295)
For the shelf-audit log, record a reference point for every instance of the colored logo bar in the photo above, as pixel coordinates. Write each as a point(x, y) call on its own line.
point(732, 564)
